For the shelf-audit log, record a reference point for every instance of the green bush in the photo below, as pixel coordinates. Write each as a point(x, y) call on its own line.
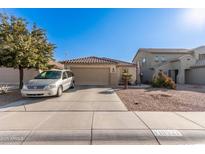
point(126, 77)
point(161, 80)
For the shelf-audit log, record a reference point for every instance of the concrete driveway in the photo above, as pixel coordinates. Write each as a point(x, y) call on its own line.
point(84, 98)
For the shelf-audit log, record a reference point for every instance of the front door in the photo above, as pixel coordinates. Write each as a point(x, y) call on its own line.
point(175, 75)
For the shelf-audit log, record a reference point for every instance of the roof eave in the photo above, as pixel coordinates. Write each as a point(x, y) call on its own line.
point(138, 51)
point(168, 52)
point(70, 63)
point(124, 65)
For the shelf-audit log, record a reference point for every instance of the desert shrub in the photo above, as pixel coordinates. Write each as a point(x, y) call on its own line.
point(126, 78)
point(3, 89)
point(161, 80)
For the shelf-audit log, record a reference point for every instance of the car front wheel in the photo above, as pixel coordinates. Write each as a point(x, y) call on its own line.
point(72, 85)
point(60, 91)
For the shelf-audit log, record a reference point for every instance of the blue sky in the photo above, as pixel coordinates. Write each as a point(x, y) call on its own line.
point(115, 33)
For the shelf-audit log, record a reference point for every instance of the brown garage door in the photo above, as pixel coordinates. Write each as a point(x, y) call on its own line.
point(91, 76)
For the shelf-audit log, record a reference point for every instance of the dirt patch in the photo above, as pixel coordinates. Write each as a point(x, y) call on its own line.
point(156, 99)
point(9, 97)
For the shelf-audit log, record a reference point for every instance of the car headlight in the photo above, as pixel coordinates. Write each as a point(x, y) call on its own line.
point(51, 86)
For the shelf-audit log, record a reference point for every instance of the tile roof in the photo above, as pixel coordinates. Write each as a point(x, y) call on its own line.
point(96, 60)
point(119, 62)
point(56, 64)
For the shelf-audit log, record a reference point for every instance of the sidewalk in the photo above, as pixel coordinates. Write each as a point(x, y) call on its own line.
point(98, 127)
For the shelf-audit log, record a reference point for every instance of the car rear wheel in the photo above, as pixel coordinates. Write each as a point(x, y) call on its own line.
point(60, 91)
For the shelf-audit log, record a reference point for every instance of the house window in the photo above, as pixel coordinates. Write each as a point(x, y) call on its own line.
point(143, 60)
point(201, 56)
point(163, 59)
point(156, 58)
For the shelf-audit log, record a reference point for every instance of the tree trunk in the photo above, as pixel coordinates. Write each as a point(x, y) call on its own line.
point(20, 77)
point(125, 83)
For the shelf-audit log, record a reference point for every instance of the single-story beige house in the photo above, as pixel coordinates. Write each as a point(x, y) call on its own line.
point(11, 75)
point(183, 65)
point(99, 70)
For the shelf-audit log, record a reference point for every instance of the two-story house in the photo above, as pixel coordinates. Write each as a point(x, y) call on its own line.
point(183, 65)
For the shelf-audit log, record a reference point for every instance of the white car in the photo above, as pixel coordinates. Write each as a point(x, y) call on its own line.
point(49, 83)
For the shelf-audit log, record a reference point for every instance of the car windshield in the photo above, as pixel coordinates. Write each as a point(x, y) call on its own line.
point(49, 75)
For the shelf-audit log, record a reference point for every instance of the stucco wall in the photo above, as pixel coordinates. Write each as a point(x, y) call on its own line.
point(195, 75)
point(150, 66)
point(11, 76)
point(150, 58)
point(181, 65)
point(167, 56)
point(113, 79)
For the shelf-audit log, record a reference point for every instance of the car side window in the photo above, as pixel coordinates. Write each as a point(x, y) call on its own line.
point(64, 75)
point(70, 74)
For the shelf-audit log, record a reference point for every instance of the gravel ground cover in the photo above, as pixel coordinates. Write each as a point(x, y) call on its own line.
point(185, 98)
